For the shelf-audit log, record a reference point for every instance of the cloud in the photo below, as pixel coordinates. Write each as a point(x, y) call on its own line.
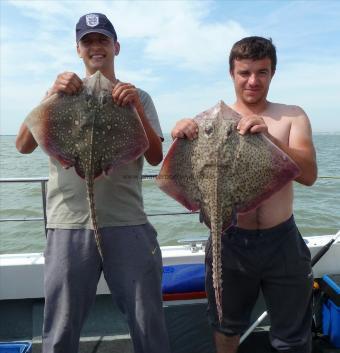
point(190, 100)
point(40, 57)
point(313, 85)
point(16, 103)
point(299, 83)
point(176, 32)
point(176, 50)
point(191, 46)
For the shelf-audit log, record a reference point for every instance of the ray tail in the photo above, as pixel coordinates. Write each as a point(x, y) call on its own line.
point(89, 176)
point(90, 194)
point(216, 233)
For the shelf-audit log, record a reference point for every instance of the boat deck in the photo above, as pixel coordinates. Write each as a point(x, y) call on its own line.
point(106, 331)
point(21, 307)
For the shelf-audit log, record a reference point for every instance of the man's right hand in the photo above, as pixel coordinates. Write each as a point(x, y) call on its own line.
point(185, 128)
point(66, 82)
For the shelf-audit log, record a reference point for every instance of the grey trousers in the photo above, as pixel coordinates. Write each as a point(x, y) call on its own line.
point(133, 270)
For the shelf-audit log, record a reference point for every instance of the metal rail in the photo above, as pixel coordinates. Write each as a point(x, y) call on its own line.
point(43, 183)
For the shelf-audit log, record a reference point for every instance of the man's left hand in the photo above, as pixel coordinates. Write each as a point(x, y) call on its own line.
point(125, 93)
point(252, 124)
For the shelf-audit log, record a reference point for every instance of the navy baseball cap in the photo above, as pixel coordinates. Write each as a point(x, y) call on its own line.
point(95, 23)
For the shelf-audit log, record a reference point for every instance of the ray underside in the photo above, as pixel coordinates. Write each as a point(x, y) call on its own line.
point(89, 132)
point(223, 173)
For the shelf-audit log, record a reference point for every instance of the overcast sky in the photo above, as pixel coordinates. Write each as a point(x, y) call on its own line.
point(177, 51)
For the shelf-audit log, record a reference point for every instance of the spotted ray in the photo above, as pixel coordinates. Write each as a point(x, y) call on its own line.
point(89, 132)
point(222, 173)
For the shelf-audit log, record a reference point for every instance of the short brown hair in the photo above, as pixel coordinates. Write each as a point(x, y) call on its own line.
point(255, 48)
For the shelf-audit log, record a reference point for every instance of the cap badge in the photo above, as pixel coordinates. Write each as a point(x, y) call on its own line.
point(92, 20)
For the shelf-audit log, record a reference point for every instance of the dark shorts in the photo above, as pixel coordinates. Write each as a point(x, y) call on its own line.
point(275, 260)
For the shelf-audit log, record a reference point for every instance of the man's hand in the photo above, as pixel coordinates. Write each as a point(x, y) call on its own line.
point(126, 93)
point(185, 128)
point(66, 82)
point(252, 124)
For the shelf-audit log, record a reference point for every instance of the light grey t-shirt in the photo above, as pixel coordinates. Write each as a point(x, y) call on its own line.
point(118, 195)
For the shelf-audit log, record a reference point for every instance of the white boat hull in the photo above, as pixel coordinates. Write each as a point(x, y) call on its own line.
point(21, 275)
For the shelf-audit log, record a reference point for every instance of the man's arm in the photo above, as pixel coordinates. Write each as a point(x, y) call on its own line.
point(125, 93)
point(300, 144)
point(154, 154)
point(301, 149)
point(67, 82)
point(25, 142)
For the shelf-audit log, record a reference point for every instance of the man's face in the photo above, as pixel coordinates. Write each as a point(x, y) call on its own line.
point(252, 79)
point(97, 51)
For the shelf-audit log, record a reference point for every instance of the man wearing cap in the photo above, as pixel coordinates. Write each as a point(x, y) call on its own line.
point(132, 263)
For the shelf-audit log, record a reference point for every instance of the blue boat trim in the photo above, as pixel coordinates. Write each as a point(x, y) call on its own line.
point(183, 278)
point(16, 347)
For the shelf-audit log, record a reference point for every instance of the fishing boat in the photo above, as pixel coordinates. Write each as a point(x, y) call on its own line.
point(22, 300)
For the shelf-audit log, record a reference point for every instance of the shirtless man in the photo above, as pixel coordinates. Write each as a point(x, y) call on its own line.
point(265, 250)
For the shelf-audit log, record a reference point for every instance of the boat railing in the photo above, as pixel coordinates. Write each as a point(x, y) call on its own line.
point(43, 181)
point(43, 188)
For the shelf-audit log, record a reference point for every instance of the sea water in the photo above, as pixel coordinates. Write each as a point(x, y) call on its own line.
point(316, 208)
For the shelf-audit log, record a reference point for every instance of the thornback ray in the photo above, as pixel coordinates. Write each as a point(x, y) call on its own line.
point(90, 132)
point(223, 173)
